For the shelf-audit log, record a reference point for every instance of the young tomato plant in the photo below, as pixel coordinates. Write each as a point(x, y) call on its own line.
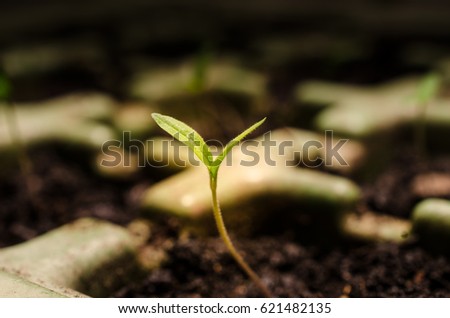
point(5, 87)
point(195, 142)
point(202, 63)
point(426, 92)
point(14, 130)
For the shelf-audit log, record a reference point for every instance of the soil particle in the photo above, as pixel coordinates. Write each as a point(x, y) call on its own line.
point(431, 185)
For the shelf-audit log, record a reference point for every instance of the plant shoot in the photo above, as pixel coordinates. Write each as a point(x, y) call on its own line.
point(195, 142)
point(426, 92)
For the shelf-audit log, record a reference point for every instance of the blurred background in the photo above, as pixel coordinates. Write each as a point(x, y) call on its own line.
point(50, 47)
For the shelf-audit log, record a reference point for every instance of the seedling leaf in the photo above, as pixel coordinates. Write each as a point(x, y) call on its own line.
point(236, 140)
point(186, 135)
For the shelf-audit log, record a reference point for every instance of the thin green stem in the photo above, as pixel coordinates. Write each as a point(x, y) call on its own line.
point(13, 127)
point(229, 244)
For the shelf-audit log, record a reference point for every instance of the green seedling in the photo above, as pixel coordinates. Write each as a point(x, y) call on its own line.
point(13, 126)
point(201, 65)
point(16, 137)
point(426, 92)
point(195, 142)
point(5, 88)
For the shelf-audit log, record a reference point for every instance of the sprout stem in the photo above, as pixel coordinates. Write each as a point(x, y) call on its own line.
point(14, 130)
point(229, 244)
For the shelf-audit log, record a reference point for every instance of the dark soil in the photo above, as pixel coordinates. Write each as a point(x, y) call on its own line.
point(63, 188)
point(203, 268)
point(66, 189)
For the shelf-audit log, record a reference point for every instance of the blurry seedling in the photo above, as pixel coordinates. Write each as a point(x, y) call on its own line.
point(11, 118)
point(202, 63)
point(426, 92)
point(195, 142)
point(25, 165)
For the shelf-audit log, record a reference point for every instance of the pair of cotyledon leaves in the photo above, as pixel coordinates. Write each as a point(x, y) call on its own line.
point(195, 142)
